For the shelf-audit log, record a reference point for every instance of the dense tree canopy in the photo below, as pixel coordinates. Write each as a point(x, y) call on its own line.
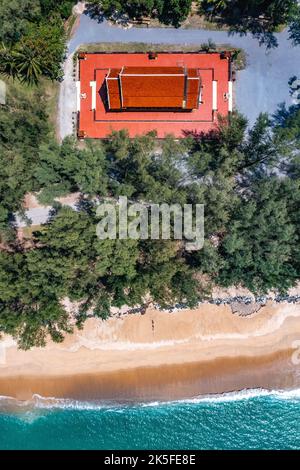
point(23, 127)
point(28, 311)
point(39, 52)
point(62, 7)
point(259, 246)
point(16, 17)
point(64, 169)
point(172, 12)
point(274, 11)
point(260, 17)
point(248, 181)
point(32, 38)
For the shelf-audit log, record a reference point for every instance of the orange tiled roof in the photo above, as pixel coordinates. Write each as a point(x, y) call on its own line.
point(153, 87)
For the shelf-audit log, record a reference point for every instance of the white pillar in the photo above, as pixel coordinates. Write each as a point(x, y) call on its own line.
point(230, 97)
point(78, 96)
point(215, 95)
point(93, 86)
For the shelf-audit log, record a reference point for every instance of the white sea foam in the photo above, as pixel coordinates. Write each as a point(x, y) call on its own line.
point(233, 396)
point(40, 402)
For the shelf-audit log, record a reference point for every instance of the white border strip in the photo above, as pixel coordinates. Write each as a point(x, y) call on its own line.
point(93, 86)
point(78, 96)
point(230, 96)
point(215, 95)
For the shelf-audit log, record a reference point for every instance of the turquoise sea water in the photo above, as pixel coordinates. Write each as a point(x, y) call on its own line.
point(244, 420)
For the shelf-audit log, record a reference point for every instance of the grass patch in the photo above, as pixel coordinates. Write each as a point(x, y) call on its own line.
point(14, 87)
point(280, 28)
point(28, 231)
point(50, 89)
point(51, 93)
point(194, 21)
point(69, 24)
point(239, 59)
point(146, 47)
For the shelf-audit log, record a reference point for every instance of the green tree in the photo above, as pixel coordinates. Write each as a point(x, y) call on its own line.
point(213, 161)
point(262, 151)
point(137, 169)
point(294, 26)
point(172, 12)
point(140, 8)
point(287, 139)
point(29, 315)
point(63, 7)
point(8, 63)
point(175, 11)
point(23, 126)
point(16, 17)
point(40, 51)
point(258, 247)
point(66, 168)
point(261, 18)
point(47, 43)
point(28, 65)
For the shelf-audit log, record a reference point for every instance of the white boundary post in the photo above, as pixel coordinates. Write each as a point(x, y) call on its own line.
point(215, 95)
point(93, 86)
point(230, 96)
point(78, 96)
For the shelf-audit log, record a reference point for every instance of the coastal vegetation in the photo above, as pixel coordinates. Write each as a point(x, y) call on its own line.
point(23, 127)
point(248, 182)
point(261, 18)
point(170, 12)
point(32, 38)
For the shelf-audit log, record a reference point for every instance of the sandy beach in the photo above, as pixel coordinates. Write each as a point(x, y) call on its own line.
point(161, 355)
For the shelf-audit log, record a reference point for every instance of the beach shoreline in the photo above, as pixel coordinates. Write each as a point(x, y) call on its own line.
point(161, 356)
point(164, 383)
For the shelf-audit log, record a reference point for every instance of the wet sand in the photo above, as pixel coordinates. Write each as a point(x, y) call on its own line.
point(172, 382)
point(161, 356)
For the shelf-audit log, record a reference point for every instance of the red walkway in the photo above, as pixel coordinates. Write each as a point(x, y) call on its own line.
point(100, 122)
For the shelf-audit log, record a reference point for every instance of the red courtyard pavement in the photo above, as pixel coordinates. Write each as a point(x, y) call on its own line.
point(96, 121)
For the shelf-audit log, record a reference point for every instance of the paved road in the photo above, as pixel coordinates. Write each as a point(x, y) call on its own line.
point(261, 87)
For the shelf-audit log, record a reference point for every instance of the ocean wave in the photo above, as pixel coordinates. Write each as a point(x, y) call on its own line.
point(39, 402)
point(240, 395)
